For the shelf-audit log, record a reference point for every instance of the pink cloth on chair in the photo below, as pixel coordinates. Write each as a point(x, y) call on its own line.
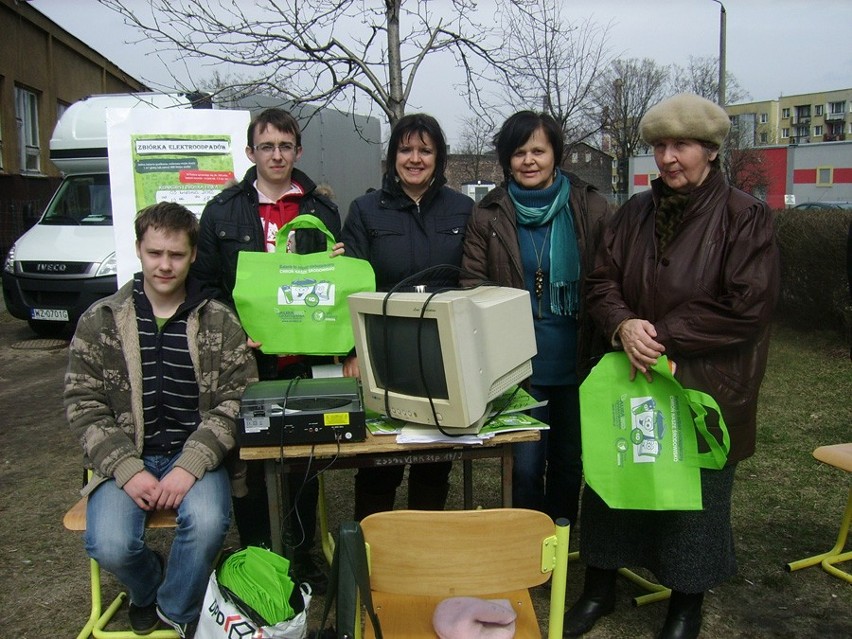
point(472, 618)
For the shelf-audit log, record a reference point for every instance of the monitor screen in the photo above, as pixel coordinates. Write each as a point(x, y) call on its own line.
point(413, 340)
point(428, 358)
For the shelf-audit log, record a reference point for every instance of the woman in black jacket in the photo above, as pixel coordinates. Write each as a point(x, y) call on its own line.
point(412, 223)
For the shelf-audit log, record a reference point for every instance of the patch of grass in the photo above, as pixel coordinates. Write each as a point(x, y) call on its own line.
point(786, 506)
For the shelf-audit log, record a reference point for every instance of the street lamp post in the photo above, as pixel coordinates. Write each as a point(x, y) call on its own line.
point(722, 29)
point(621, 119)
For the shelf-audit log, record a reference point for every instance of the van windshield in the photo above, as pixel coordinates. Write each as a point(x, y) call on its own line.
point(82, 200)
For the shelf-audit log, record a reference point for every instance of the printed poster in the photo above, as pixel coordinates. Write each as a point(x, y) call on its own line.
point(169, 155)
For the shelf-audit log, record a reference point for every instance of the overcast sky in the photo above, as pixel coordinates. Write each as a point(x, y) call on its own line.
point(774, 47)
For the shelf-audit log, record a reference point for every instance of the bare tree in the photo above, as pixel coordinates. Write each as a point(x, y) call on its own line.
point(744, 164)
point(227, 89)
point(623, 94)
point(476, 137)
point(701, 76)
point(319, 51)
point(550, 64)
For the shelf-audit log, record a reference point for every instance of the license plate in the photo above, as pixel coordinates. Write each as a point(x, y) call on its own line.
point(49, 314)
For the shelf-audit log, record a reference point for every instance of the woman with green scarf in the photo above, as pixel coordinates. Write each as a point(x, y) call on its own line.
point(539, 232)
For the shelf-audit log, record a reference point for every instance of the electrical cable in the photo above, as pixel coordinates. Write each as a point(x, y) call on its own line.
point(419, 276)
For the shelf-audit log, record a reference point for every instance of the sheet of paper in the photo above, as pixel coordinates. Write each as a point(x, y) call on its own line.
point(327, 370)
point(422, 434)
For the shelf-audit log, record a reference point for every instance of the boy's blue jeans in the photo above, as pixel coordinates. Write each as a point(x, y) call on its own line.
point(115, 531)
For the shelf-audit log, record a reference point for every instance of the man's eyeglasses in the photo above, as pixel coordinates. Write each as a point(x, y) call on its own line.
point(268, 148)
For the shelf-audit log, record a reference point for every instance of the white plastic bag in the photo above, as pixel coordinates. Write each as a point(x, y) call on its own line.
point(222, 619)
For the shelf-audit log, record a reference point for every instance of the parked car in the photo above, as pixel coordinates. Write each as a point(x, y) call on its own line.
point(824, 205)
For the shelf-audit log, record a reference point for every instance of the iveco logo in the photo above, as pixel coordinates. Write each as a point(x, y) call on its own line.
point(51, 267)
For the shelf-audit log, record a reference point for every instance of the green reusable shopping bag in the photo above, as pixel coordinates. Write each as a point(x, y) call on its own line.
point(641, 439)
point(296, 304)
point(261, 579)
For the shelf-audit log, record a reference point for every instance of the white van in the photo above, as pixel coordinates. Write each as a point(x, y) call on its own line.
point(64, 263)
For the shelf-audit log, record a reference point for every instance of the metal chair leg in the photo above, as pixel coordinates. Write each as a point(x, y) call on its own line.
point(656, 592)
point(99, 618)
point(835, 555)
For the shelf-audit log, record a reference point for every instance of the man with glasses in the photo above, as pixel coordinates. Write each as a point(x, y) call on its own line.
point(247, 217)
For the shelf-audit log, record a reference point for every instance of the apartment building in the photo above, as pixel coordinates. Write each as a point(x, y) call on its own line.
point(807, 118)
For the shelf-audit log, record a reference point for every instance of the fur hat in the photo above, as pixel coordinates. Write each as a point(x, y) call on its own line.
point(685, 115)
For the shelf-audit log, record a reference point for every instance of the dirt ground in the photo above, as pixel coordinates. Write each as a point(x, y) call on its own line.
point(44, 582)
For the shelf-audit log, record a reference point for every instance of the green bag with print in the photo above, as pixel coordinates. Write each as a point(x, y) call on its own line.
point(644, 443)
point(297, 304)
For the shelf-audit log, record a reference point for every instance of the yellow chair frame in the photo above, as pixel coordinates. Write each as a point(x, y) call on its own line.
point(75, 519)
point(839, 456)
point(655, 592)
point(419, 558)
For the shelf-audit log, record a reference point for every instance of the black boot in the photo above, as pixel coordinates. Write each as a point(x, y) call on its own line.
point(683, 620)
point(304, 569)
point(597, 600)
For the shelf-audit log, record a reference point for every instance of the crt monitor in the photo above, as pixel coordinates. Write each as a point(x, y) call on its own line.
point(448, 354)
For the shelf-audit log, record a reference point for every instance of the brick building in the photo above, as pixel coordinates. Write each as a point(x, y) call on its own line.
point(588, 163)
point(43, 70)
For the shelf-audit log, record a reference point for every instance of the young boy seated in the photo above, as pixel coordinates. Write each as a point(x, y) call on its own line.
point(152, 391)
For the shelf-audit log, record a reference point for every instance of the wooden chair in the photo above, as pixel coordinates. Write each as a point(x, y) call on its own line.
point(839, 456)
point(419, 558)
point(75, 519)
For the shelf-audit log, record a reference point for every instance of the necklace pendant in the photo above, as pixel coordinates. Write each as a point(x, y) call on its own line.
point(539, 283)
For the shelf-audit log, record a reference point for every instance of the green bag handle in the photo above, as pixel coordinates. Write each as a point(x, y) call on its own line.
point(302, 222)
point(698, 403)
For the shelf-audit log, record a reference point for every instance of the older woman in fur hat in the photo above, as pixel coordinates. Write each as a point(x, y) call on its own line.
point(688, 269)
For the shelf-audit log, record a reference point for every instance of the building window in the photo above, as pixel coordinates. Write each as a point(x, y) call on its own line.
point(588, 157)
point(764, 138)
point(26, 114)
point(785, 133)
point(818, 109)
point(817, 130)
point(824, 176)
point(764, 118)
point(785, 112)
point(836, 108)
point(574, 158)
